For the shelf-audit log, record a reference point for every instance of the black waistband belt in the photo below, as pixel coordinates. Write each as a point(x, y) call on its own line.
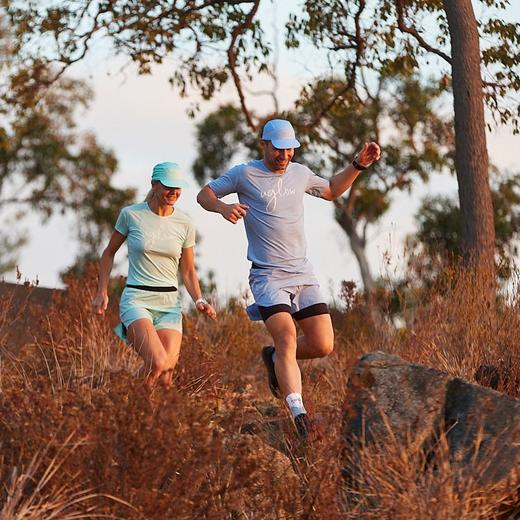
point(154, 288)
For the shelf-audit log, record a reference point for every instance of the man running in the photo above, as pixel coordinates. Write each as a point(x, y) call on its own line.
point(270, 193)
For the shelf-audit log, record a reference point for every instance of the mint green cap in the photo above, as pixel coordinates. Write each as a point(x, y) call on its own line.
point(169, 174)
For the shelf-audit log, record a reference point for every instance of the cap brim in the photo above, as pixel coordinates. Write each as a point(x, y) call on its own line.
point(176, 184)
point(283, 144)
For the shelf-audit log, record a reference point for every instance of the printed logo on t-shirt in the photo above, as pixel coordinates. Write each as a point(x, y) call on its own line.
point(272, 195)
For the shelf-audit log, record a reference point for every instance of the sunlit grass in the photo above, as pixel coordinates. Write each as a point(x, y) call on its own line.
point(81, 437)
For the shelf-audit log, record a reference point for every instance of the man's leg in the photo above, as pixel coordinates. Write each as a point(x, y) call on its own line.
point(317, 339)
point(282, 329)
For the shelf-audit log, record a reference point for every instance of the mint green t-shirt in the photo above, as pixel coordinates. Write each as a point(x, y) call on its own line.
point(155, 243)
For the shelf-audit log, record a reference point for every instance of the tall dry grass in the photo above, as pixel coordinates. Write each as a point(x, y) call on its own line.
point(80, 436)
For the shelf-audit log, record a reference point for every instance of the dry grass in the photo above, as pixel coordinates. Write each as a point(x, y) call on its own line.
point(81, 438)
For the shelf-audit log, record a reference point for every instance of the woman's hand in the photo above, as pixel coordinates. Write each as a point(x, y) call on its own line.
point(100, 304)
point(205, 308)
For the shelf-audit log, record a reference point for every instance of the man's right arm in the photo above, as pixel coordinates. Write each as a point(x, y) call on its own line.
point(210, 202)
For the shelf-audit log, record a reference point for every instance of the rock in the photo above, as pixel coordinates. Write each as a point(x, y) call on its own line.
point(482, 425)
point(390, 398)
point(384, 391)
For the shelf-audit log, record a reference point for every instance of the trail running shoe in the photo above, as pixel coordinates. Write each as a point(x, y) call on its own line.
point(267, 358)
point(303, 426)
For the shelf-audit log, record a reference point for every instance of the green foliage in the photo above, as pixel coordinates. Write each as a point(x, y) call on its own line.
point(404, 115)
point(438, 221)
point(45, 165)
point(436, 243)
point(10, 245)
point(220, 136)
point(200, 36)
point(388, 36)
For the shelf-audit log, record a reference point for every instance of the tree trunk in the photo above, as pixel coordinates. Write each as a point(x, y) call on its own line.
point(471, 157)
point(358, 244)
point(358, 247)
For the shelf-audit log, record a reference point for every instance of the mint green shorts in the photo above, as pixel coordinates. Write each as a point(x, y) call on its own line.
point(131, 309)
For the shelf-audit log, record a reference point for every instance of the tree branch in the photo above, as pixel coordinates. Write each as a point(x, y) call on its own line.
point(360, 47)
point(399, 4)
point(232, 58)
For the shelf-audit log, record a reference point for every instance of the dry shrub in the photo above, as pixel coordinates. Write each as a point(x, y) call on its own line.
point(385, 480)
point(451, 331)
point(217, 445)
point(31, 495)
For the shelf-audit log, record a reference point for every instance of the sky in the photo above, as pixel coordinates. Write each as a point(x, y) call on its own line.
point(144, 121)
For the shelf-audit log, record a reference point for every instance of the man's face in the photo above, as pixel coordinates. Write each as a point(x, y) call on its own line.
point(276, 159)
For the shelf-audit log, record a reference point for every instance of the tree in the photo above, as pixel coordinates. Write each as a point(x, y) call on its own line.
point(403, 115)
point(477, 233)
point(220, 40)
point(339, 26)
point(46, 166)
point(436, 244)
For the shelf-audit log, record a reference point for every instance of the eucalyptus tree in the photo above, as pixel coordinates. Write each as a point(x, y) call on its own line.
point(219, 41)
point(436, 244)
point(363, 35)
point(46, 165)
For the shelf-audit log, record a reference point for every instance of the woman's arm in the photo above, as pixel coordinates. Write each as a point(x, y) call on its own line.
point(191, 282)
point(100, 302)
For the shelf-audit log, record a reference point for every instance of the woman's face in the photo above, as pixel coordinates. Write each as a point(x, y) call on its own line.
point(166, 196)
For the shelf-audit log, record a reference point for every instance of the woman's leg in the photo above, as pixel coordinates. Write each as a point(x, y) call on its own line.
point(146, 342)
point(171, 341)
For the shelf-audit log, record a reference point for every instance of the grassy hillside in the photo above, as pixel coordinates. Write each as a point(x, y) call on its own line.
point(80, 437)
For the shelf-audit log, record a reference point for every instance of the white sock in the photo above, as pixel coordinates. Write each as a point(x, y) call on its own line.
point(295, 403)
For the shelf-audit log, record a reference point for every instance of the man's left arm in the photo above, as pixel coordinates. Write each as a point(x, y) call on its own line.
point(343, 180)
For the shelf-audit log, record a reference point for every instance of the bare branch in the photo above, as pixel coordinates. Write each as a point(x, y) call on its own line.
point(232, 57)
point(399, 4)
point(360, 47)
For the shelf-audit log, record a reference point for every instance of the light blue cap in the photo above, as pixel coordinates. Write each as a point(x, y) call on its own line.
point(281, 133)
point(169, 175)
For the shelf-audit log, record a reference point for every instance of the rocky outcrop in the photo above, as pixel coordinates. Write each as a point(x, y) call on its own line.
point(415, 405)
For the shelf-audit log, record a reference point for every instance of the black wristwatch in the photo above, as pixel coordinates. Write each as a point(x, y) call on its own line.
point(358, 166)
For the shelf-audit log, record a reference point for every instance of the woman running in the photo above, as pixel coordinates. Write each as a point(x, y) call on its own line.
point(160, 242)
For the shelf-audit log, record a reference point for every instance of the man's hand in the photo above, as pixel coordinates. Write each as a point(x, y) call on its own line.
point(234, 212)
point(369, 154)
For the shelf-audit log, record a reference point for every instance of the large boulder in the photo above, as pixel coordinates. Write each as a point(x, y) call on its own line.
point(413, 405)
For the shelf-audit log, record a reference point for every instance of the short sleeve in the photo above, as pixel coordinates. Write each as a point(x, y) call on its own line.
point(122, 222)
point(315, 185)
point(227, 183)
point(189, 240)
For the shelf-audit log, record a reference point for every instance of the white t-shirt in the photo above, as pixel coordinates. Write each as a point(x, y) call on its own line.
point(274, 222)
